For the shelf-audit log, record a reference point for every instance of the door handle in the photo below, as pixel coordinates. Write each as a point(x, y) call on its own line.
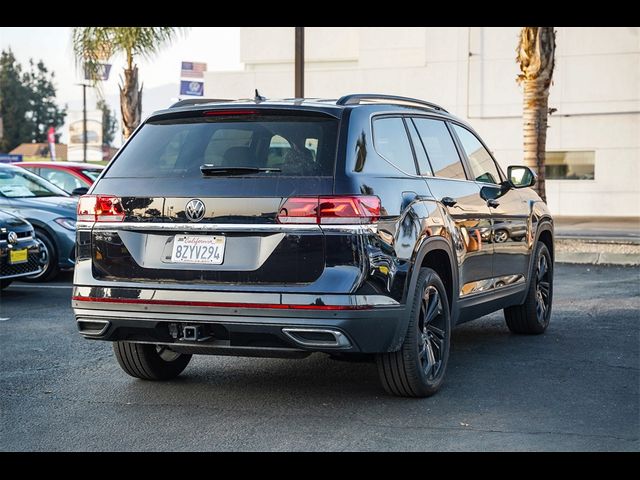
point(493, 203)
point(448, 201)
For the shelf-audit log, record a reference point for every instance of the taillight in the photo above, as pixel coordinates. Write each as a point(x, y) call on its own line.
point(299, 210)
point(330, 209)
point(356, 209)
point(100, 208)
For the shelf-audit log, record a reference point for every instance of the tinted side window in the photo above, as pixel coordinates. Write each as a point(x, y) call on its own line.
point(482, 165)
point(421, 154)
point(440, 148)
point(391, 141)
point(278, 148)
point(62, 179)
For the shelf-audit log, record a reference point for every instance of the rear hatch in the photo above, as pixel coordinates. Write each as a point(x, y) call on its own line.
point(195, 198)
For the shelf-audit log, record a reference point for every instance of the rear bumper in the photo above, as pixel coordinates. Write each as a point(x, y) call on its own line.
point(239, 323)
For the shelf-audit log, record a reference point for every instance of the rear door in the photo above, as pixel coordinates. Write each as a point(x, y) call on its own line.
point(201, 195)
point(461, 197)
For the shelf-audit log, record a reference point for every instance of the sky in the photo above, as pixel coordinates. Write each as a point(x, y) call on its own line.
point(219, 47)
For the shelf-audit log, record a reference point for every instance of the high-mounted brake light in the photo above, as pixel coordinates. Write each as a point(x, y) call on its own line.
point(342, 209)
point(100, 208)
point(212, 113)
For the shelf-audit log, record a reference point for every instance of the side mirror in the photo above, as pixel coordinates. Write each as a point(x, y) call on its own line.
point(520, 176)
point(491, 192)
point(78, 192)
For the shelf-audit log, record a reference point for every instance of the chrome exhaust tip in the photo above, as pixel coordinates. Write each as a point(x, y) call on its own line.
point(92, 327)
point(317, 337)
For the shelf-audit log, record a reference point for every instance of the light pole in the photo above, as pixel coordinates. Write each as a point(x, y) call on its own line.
point(299, 63)
point(84, 121)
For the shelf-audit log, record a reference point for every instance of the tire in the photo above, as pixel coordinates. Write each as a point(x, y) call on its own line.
point(149, 362)
point(418, 368)
point(4, 284)
point(500, 236)
point(532, 317)
point(50, 254)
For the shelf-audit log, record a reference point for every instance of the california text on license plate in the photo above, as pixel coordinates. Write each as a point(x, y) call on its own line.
point(198, 249)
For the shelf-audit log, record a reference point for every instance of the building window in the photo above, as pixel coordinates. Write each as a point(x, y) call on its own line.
point(570, 165)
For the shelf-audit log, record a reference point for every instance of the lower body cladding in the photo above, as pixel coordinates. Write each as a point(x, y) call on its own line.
point(241, 324)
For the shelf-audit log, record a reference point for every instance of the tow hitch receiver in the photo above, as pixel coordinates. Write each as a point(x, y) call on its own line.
point(188, 333)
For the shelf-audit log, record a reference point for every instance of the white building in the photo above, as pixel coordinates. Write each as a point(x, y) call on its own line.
point(593, 140)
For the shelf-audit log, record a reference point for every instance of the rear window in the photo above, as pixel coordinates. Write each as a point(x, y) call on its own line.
point(284, 145)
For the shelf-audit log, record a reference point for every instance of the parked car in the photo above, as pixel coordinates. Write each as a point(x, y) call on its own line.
point(20, 253)
point(50, 210)
point(505, 230)
point(73, 178)
point(358, 234)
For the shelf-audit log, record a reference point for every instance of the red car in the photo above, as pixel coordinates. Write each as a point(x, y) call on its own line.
point(69, 176)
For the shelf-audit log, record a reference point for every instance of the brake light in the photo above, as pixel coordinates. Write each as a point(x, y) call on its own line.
point(211, 113)
point(330, 209)
point(100, 208)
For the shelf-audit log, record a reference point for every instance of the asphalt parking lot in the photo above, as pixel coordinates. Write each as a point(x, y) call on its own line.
point(574, 388)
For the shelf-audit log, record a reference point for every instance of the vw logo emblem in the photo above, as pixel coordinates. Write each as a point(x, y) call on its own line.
point(195, 210)
point(12, 238)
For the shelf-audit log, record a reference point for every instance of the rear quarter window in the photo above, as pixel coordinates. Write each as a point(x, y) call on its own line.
point(391, 142)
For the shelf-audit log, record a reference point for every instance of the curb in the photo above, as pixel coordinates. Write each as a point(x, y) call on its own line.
point(598, 258)
point(605, 240)
point(592, 250)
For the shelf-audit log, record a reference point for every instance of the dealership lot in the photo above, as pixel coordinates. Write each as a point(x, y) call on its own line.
point(574, 388)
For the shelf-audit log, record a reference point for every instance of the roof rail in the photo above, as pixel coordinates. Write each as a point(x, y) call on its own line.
point(197, 101)
point(354, 99)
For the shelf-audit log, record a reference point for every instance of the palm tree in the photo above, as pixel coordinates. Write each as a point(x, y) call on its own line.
point(536, 51)
point(93, 45)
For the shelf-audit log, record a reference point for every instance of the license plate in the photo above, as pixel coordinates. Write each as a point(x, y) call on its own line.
point(205, 249)
point(18, 256)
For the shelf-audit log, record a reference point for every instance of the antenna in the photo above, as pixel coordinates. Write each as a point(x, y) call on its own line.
point(258, 98)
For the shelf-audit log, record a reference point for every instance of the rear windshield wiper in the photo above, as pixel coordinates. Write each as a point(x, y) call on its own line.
point(207, 169)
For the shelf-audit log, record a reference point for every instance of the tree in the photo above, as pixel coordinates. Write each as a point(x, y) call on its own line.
point(27, 102)
point(535, 55)
point(109, 124)
point(44, 112)
point(93, 45)
point(14, 103)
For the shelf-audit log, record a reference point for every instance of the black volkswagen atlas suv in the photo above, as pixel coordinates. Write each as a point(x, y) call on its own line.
point(358, 227)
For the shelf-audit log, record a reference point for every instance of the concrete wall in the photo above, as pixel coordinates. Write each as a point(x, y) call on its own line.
point(471, 72)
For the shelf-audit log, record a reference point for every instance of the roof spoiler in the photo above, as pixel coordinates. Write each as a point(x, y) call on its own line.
point(198, 101)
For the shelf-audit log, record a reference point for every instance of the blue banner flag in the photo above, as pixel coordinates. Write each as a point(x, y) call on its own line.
point(190, 87)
